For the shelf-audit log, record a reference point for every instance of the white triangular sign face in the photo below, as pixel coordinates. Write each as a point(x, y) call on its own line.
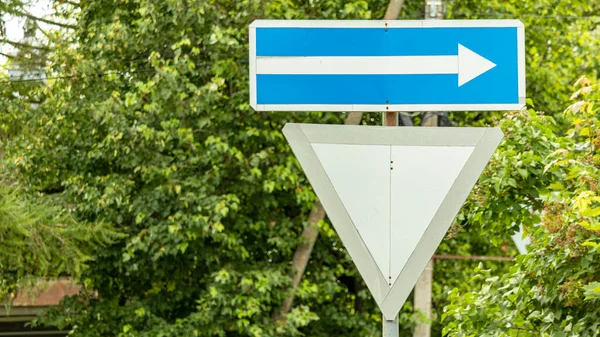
point(391, 193)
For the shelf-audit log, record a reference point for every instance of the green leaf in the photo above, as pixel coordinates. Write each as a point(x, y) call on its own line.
point(584, 132)
point(591, 212)
point(592, 290)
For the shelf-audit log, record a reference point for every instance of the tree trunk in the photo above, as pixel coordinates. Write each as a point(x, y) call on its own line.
point(393, 10)
point(302, 254)
point(422, 298)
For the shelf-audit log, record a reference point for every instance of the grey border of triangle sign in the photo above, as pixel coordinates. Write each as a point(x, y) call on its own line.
point(301, 136)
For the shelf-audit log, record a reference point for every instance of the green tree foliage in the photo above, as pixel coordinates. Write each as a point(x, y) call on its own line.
point(553, 290)
point(40, 240)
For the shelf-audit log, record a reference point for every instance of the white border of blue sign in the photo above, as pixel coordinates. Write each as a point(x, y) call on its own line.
point(389, 24)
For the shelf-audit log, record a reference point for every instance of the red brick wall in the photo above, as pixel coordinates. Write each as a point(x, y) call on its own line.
point(47, 293)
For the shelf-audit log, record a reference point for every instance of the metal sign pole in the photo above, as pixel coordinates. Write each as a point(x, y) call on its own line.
point(390, 328)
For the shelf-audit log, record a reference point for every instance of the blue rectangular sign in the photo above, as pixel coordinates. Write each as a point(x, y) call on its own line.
point(446, 65)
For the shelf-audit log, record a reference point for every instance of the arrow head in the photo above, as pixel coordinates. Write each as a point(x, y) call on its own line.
point(471, 65)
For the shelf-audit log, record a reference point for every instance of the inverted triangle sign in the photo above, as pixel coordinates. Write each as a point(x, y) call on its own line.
point(391, 193)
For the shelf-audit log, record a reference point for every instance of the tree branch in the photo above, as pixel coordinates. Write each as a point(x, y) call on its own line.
point(50, 22)
point(353, 118)
point(8, 56)
point(72, 3)
point(302, 254)
point(473, 257)
point(535, 201)
point(23, 45)
point(41, 30)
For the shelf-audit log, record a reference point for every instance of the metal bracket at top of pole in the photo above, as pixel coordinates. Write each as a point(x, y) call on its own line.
point(434, 9)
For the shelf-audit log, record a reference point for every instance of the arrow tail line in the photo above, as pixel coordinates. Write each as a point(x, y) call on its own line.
point(357, 65)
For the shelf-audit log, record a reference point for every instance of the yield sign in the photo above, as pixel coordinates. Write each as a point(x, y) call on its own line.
point(391, 193)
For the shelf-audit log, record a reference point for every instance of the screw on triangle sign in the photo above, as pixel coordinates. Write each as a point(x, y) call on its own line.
point(391, 193)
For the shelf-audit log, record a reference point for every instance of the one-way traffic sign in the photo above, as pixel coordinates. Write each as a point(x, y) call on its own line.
point(387, 65)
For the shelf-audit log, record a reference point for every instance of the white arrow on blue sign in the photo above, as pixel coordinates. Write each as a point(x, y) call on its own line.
point(447, 65)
